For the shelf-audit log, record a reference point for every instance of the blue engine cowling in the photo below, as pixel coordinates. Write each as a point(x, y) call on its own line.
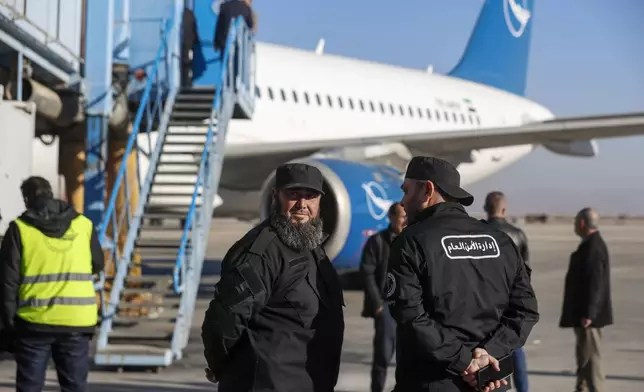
point(357, 199)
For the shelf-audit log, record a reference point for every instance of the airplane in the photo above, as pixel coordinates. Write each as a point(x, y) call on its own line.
point(360, 122)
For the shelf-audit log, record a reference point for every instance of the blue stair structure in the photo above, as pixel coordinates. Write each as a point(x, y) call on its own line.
point(184, 144)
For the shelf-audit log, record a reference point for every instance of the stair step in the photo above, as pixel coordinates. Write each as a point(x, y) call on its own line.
point(197, 143)
point(164, 302)
point(146, 278)
point(182, 171)
point(183, 209)
point(182, 149)
point(189, 123)
point(172, 215)
point(189, 114)
point(133, 355)
point(193, 106)
point(173, 184)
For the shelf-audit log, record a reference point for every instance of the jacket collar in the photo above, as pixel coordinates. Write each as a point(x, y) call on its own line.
point(497, 220)
point(440, 209)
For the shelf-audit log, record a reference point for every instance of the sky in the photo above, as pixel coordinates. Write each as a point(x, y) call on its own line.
point(586, 58)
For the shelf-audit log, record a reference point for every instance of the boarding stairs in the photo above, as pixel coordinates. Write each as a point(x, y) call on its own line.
point(187, 156)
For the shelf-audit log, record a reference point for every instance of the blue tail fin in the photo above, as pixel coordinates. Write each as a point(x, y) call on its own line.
point(497, 52)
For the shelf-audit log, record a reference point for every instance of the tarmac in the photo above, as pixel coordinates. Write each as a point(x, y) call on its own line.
point(550, 350)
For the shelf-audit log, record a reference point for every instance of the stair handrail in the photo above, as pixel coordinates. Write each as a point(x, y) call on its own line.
point(132, 141)
point(238, 26)
point(132, 218)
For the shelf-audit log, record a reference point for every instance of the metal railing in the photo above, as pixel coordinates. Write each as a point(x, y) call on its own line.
point(239, 48)
point(155, 107)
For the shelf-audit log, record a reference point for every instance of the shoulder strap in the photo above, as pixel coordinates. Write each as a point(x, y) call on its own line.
point(261, 242)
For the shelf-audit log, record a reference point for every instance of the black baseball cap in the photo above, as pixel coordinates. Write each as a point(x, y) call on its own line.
point(442, 173)
point(299, 175)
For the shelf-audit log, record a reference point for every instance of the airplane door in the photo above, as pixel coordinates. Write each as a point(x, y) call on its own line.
point(206, 64)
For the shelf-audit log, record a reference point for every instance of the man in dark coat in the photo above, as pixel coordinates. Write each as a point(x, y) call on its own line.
point(373, 268)
point(276, 321)
point(587, 303)
point(228, 11)
point(496, 207)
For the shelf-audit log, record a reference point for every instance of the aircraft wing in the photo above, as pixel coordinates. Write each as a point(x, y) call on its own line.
point(540, 133)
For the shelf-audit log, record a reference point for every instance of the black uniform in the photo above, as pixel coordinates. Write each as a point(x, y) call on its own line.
point(227, 12)
point(276, 321)
point(516, 234)
point(373, 268)
point(456, 283)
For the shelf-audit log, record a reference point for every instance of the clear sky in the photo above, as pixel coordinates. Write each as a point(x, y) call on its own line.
point(586, 58)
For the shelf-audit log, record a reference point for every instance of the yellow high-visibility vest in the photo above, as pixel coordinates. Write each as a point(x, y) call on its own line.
point(56, 285)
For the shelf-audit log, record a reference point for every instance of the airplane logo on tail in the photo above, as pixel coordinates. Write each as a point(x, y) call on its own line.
point(377, 202)
point(516, 14)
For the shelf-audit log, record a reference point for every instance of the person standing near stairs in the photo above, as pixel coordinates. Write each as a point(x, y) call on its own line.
point(47, 261)
point(276, 321)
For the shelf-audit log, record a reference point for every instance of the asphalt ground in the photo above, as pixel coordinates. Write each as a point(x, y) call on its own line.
point(550, 350)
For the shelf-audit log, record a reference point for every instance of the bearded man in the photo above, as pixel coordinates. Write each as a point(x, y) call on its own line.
point(276, 321)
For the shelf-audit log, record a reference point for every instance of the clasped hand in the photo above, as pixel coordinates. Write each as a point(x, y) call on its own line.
point(481, 359)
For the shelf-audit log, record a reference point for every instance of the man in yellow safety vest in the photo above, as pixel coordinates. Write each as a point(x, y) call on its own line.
point(47, 261)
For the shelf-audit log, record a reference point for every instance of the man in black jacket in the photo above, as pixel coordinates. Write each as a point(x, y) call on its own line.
point(587, 305)
point(495, 206)
point(373, 268)
point(228, 11)
point(47, 260)
point(459, 291)
point(276, 321)
point(189, 38)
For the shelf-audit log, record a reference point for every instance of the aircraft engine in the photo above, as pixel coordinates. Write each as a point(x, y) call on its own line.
point(355, 205)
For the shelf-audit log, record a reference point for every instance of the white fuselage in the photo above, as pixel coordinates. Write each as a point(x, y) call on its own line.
point(339, 97)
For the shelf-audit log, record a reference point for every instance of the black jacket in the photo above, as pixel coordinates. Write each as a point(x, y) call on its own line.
point(189, 33)
point(457, 283)
point(516, 234)
point(52, 218)
point(373, 268)
point(587, 287)
point(228, 11)
point(276, 321)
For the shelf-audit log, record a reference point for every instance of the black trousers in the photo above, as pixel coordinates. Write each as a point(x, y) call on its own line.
point(384, 346)
point(70, 353)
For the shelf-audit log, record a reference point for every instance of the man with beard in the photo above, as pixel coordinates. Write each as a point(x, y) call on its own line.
point(276, 321)
point(459, 291)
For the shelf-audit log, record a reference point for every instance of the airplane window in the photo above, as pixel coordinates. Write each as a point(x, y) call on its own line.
point(283, 94)
point(429, 113)
point(462, 118)
point(361, 105)
point(420, 112)
point(257, 92)
point(438, 115)
point(270, 93)
point(351, 103)
point(411, 111)
point(294, 96)
point(446, 116)
point(317, 96)
point(340, 102)
point(454, 117)
point(471, 119)
point(402, 111)
point(373, 108)
point(478, 120)
point(306, 98)
point(382, 107)
point(328, 98)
